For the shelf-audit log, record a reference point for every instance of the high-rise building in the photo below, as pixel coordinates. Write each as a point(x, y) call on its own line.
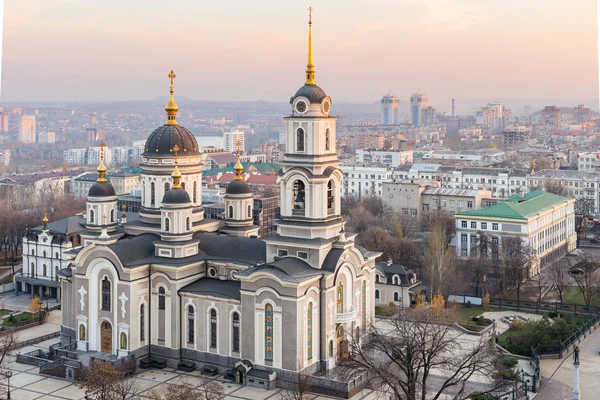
point(3, 122)
point(230, 140)
point(418, 101)
point(429, 116)
point(582, 114)
point(551, 116)
point(390, 109)
point(47, 137)
point(27, 133)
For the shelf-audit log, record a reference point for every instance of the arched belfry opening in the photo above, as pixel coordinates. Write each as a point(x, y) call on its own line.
point(299, 196)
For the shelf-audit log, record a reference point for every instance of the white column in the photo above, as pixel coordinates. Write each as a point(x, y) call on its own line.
point(576, 382)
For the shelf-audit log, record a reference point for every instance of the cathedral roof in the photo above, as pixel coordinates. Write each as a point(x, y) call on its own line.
point(312, 92)
point(248, 250)
point(289, 269)
point(134, 248)
point(176, 196)
point(331, 260)
point(214, 288)
point(163, 139)
point(238, 187)
point(101, 189)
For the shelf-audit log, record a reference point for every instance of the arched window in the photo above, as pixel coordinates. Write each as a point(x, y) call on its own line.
point(44, 254)
point(269, 332)
point(377, 294)
point(230, 213)
point(364, 305)
point(309, 330)
point(105, 294)
point(152, 194)
point(236, 332)
point(298, 196)
point(82, 332)
point(56, 255)
point(167, 224)
point(167, 187)
point(213, 328)
point(330, 348)
point(357, 334)
point(396, 298)
point(376, 278)
point(300, 138)
point(32, 270)
point(249, 211)
point(43, 269)
point(190, 324)
point(123, 341)
point(395, 280)
point(142, 325)
point(91, 216)
point(187, 224)
point(183, 185)
point(327, 139)
point(161, 298)
point(112, 215)
point(194, 191)
point(330, 202)
point(33, 252)
point(340, 298)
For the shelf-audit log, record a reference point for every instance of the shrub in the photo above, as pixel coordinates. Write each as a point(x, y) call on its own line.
point(482, 396)
point(509, 362)
point(468, 304)
point(11, 318)
point(517, 325)
point(552, 314)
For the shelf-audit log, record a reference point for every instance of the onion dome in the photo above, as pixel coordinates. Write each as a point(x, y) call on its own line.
point(102, 188)
point(164, 138)
point(176, 195)
point(238, 185)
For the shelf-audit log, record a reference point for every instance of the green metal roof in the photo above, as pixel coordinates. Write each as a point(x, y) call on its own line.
point(516, 207)
point(264, 168)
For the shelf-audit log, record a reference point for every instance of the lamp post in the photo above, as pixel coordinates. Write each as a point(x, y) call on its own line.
point(47, 295)
point(8, 374)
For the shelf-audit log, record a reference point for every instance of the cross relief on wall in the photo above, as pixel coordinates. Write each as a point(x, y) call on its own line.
point(82, 292)
point(123, 299)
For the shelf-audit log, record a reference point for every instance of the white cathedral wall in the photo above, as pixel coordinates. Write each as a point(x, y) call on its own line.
point(96, 272)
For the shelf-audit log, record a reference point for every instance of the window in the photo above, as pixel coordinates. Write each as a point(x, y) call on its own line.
point(142, 326)
point(298, 194)
point(236, 332)
point(44, 270)
point(340, 298)
point(91, 221)
point(44, 253)
point(212, 272)
point(105, 294)
point(376, 278)
point(230, 213)
point(303, 255)
point(330, 203)
point(161, 298)
point(183, 185)
point(152, 194)
point(268, 332)
point(364, 305)
point(33, 252)
point(494, 226)
point(32, 270)
point(331, 348)
point(249, 211)
point(309, 315)
point(167, 187)
point(167, 224)
point(484, 225)
point(112, 215)
point(377, 294)
point(213, 328)
point(123, 341)
point(300, 138)
point(463, 224)
point(451, 203)
point(187, 224)
point(396, 298)
point(194, 191)
point(82, 332)
point(473, 225)
point(56, 255)
point(282, 253)
point(327, 141)
point(190, 324)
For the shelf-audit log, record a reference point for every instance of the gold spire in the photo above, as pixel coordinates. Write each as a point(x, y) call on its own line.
point(45, 220)
point(101, 168)
point(176, 175)
point(238, 167)
point(171, 108)
point(310, 67)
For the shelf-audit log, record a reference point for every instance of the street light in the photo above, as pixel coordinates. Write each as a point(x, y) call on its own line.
point(8, 374)
point(47, 294)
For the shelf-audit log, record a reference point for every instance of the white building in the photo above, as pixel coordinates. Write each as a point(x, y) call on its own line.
point(390, 158)
point(27, 129)
point(578, 184)
point(230, 140)
point(390, 109)
point(364, 180)
point(588, 161)
point(418, 102)
point(545, 223)
point(5, 157)
point(87, 156)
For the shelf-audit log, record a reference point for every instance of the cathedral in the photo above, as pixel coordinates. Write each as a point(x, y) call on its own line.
point(176, 287)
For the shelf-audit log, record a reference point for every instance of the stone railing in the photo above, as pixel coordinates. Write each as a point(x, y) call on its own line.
point(347, 316)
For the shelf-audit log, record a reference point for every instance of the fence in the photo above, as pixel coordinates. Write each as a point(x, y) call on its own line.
point(37, 340)
point(35, 357)
point(61, 361)
point(544, 306)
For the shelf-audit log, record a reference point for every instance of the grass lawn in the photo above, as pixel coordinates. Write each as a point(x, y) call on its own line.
point(466, 313)
point(20, 318)
point(509, 334)
point(572, 295)
point(4, 312)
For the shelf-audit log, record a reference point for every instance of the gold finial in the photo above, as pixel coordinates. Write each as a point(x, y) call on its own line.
point(238, 166)
point(171, 108)
point(176, 175)
point(310, 67)
point(101, 167)
point(45, 220)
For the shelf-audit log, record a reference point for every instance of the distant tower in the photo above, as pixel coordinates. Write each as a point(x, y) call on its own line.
point(390, 109)
point(453, 114)
point(418, 101)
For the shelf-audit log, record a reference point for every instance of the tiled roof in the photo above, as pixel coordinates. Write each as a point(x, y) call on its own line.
point(262, 179)
point(214, 288)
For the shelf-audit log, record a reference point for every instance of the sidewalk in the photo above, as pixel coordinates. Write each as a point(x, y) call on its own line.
point(52, 324)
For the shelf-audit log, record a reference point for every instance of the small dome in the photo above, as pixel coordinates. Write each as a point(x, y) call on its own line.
point(163, 139)
point(176, 196)
point(101, 189)
point(238, 187)
point(313, 93)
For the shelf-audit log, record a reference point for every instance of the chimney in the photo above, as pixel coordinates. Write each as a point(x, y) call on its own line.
point(453, 108)
point(389, 261)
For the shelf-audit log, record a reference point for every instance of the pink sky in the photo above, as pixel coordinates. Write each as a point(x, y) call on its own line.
point(241, 50)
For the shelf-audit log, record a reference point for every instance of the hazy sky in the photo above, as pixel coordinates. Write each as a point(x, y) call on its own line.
point(256, 50)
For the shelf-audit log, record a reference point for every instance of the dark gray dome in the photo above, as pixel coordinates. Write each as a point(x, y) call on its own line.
point(101, 189)
point(238, 187)
point(313, 93)
point(163, 139)
point(176, 196)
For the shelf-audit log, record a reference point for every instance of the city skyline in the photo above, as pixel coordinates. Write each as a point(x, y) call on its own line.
point(69, 51)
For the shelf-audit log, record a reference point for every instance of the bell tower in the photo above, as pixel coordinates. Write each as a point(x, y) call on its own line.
point(310, 180)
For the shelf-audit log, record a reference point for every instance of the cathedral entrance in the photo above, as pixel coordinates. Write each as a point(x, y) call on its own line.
point(106, 337)
point(342, 343)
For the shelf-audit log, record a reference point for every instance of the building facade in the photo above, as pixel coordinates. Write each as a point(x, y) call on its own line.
point(418, 102)
point(27, 129)
point(364, 181)
point(390, 109)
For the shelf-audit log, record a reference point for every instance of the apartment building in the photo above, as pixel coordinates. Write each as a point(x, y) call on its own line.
point(123, 182)
point(389, 158)
point(364, 180)
point(578, 184)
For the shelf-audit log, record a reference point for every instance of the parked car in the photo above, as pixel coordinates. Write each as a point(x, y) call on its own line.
point(576, 271)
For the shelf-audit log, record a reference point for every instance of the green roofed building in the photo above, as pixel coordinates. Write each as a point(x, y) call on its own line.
point(544, 221)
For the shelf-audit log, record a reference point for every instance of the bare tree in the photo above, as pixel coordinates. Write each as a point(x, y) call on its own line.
point(182, 390)
point(127, 389)
point(100, 380)
point(439, 260)
point(516, 259)
point(586, 282)
point(8, 344)
point(300, 390)
point(402, 356)
point(558, 276)
point(584, 208)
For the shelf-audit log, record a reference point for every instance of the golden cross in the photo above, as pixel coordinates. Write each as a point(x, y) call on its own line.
point(175, 150)
point(172, 77)
point(102, 149)
point(238, 144)
point(310, 9)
